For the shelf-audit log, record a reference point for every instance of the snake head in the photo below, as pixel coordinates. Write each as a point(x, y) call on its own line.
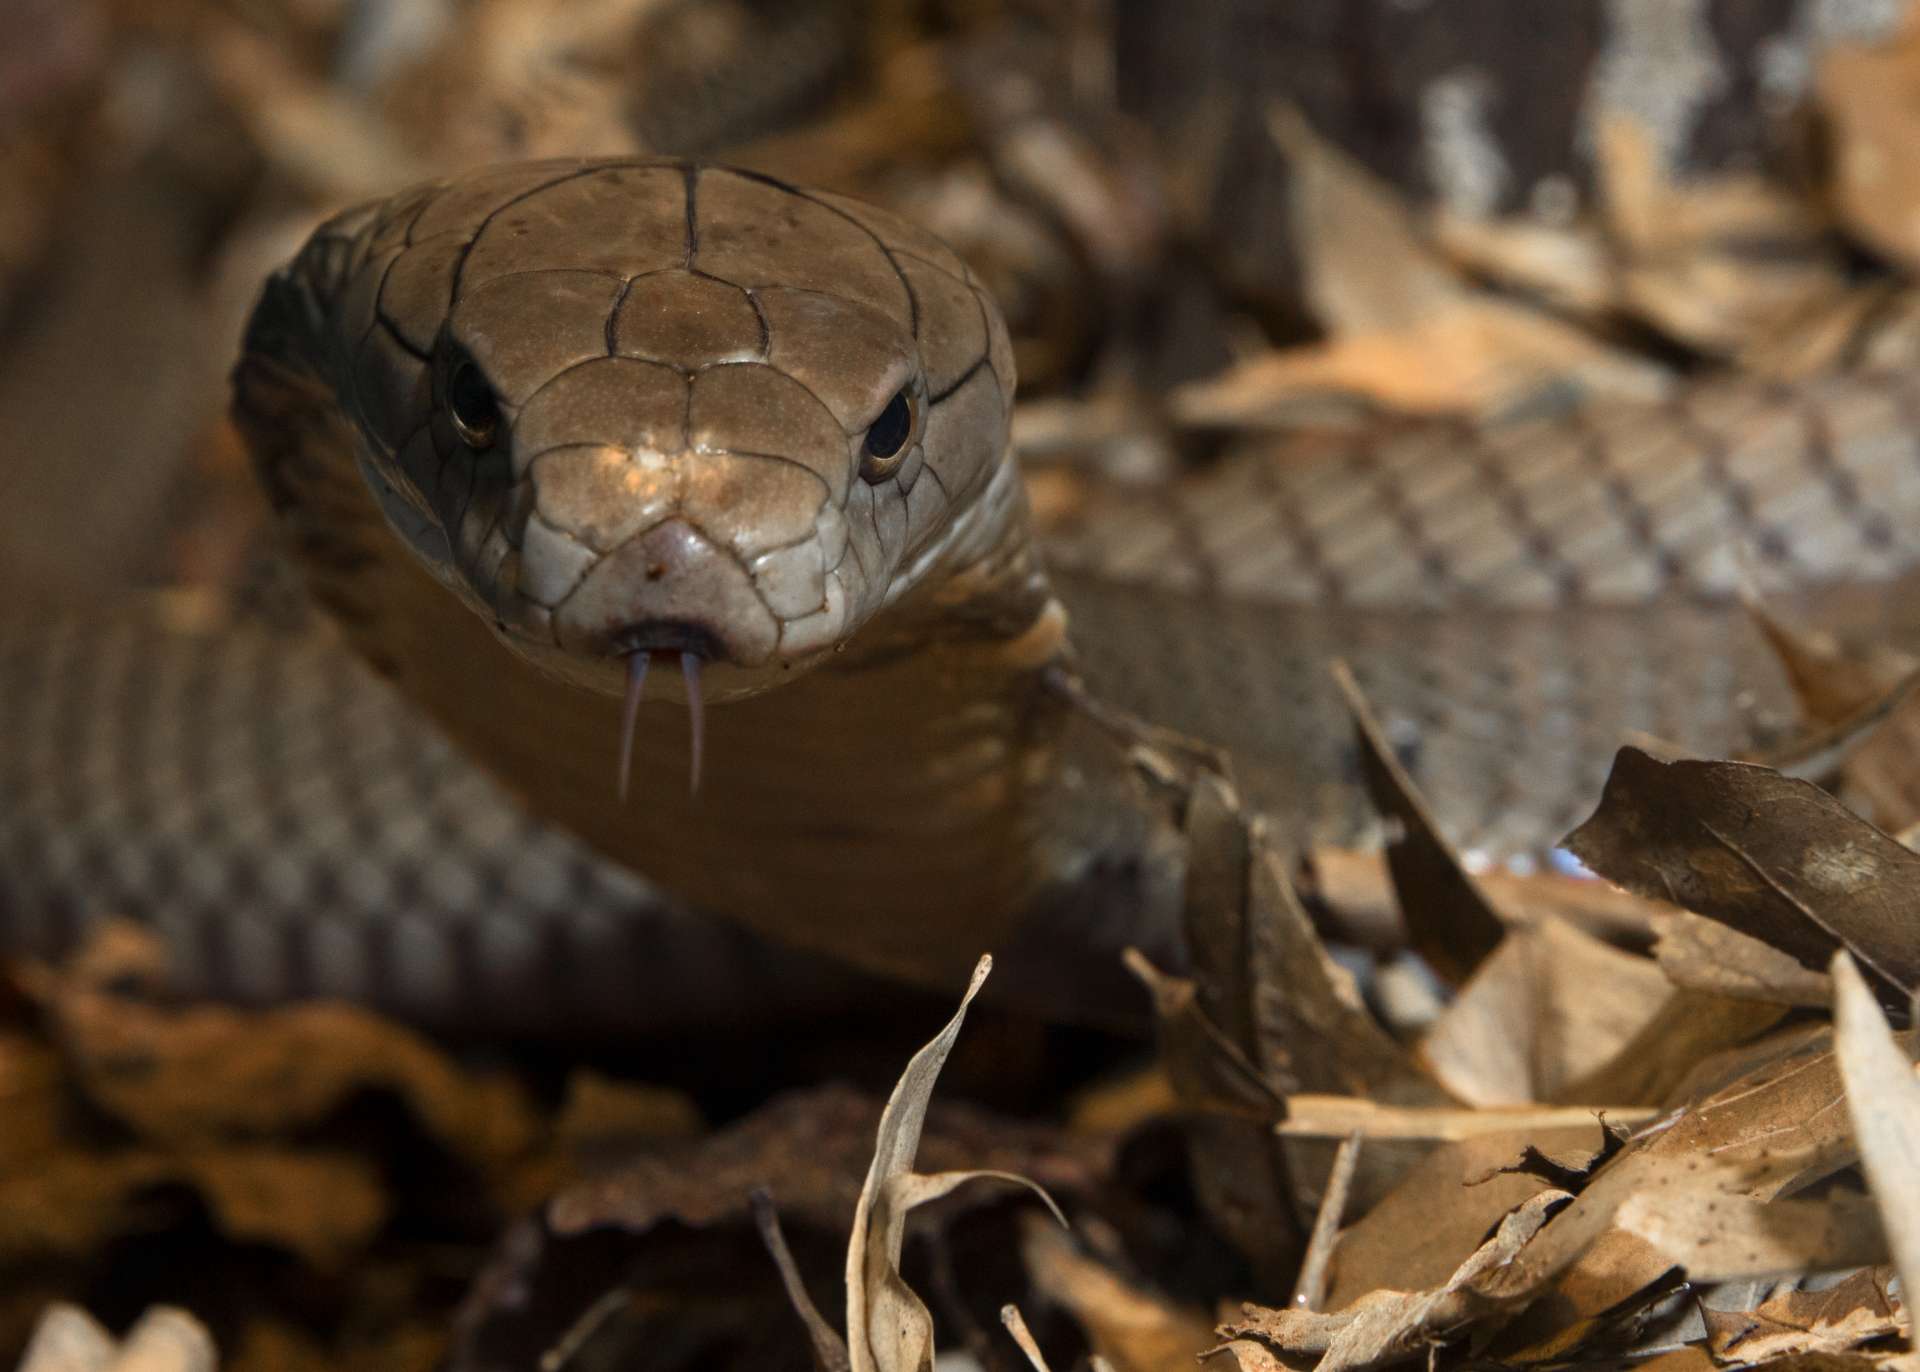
point(642, 405)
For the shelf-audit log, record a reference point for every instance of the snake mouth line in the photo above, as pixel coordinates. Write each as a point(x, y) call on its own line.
point(669, 636)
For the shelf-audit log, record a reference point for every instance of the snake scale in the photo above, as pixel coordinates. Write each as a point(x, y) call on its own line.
point(534, 428)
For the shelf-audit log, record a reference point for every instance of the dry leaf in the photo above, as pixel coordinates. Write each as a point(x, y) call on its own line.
point(1528, 1024)
point(1135, 1329)
point(1883, 1100)
point(1385, 1325)
point(888, 1326)
point(1690, 1028)
point(1444, 1207)
point(207, 1072)
point(1870, 96)
point(1404, 332)
point(1794, 1322)
point(68, 1339)
point(1722, 263)
point(1351, 895)
point(1692, 1208)
point(1705, 955)
point(1449, 921)
point(1776, 858)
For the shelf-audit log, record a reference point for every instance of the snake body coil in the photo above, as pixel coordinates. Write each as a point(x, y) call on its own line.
point(527, 427)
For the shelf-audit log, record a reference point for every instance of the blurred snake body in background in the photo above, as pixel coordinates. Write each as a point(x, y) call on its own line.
point(536, 426)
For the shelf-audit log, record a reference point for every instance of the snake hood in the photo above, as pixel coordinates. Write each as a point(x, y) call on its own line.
point(624, 407)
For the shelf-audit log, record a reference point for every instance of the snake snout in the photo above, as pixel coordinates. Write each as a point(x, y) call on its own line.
point(669, 589)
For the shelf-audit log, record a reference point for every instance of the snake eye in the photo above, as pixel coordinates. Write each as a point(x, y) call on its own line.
point(887, 438)
point(475, 410)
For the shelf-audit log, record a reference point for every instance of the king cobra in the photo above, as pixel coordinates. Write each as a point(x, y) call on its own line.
point(534, 428)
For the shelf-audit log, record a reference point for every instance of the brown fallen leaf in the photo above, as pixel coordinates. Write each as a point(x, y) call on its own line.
point(1383, 1326)
point(1351, 896)
point(1795, 1322)
point(1723, 263)
point(323, 1207)
point(1445, 1205)
point(1868, 95)
point(1404, 331)
point(1449, 922)
point(1689, 1029)
point(1133, 1328)
point(1705, 955)
point(1280, 1008)
point(1773, 857)
point(208, 1072)
point(1526, 1025)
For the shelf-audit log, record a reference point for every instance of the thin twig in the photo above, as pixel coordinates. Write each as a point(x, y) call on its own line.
point(1310, 1290)
point(829, 1349)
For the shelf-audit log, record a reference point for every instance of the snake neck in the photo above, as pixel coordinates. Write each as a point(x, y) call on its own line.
point(903, 805)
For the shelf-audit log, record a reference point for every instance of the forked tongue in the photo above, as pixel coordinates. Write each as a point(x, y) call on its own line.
point(637, 664)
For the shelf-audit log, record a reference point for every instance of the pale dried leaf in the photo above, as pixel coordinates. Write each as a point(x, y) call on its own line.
point(1869, 96)
point(1403, 330)
point(1795, 1322)
point(1527, 1023)
point(1016, 1324)
point(67, 1339)
point(1719, 261)
point(1706, 955)
point(1249, 1356)
point(164, 1339)
point(1443, 1208)
point(1566, 267)
point(1883, 1100)
point(1694, 1210)
point(889, 1328)
point(1135, 1329)
point(1689, 1029)
point(1385, 1325)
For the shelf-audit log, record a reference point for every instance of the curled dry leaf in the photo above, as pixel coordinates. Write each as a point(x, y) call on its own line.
point(1795, 1322)
point(889, 1328)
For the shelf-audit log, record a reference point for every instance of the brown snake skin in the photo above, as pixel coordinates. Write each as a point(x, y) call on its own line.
point(1516, 601)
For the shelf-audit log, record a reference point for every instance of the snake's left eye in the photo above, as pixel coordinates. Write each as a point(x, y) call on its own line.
point(888, 438)
point(475, 409)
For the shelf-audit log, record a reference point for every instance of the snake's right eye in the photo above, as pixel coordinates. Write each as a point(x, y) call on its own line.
point(473, 406)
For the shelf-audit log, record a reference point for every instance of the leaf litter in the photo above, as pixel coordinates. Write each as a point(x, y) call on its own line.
point(1667, 1118)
